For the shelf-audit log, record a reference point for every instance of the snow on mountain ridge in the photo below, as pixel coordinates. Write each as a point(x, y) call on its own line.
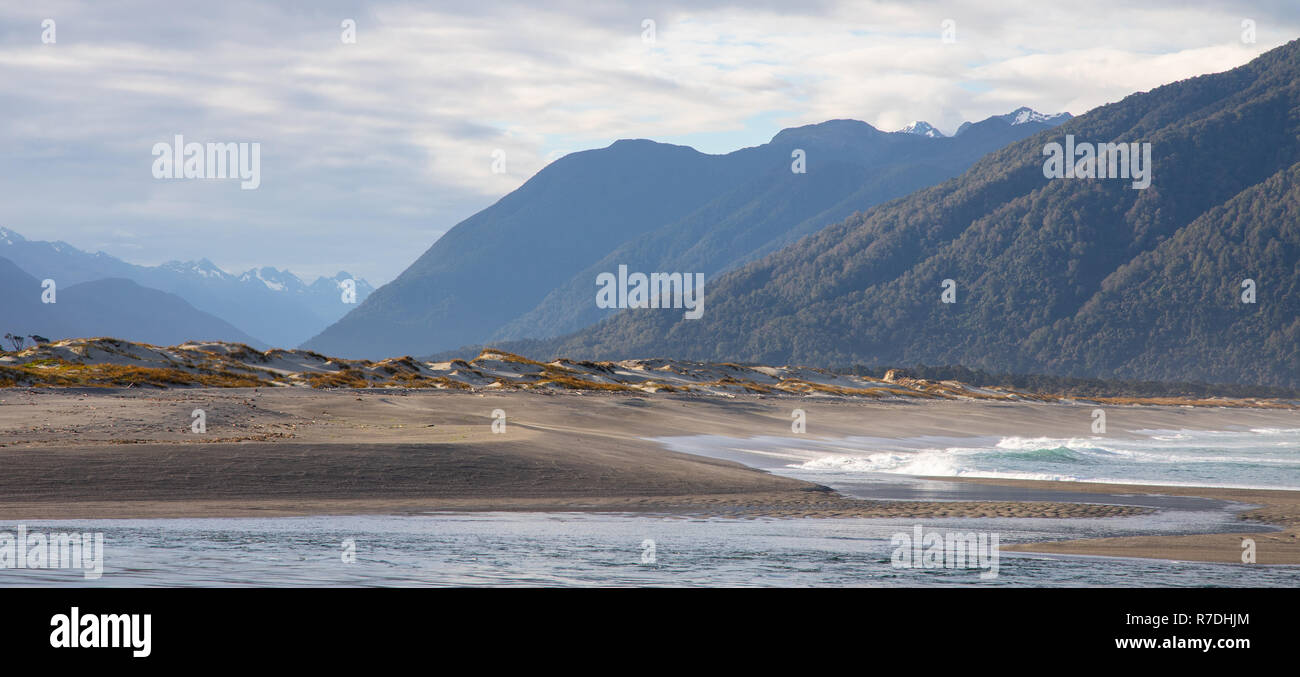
point(202, 268)
point(1021, 116)
point(10, 236)
point(921, 128)
point(1025, 114)
point(273, 279)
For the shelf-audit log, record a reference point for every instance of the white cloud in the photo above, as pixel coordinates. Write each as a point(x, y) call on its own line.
point(392, 137)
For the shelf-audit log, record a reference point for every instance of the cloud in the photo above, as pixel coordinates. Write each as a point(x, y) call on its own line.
point(373, 149)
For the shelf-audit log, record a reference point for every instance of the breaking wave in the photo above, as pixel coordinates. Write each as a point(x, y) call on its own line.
point(1256, 458)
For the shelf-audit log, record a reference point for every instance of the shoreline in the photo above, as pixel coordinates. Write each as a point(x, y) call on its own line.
point(1279, 508)
point(291, 452)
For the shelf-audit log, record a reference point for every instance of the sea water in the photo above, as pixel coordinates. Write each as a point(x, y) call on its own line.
point(1258, 458)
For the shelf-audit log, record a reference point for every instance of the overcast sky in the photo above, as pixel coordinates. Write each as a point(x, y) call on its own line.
point(371, 150)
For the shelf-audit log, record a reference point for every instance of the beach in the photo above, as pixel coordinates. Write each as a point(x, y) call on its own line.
point(74, 454)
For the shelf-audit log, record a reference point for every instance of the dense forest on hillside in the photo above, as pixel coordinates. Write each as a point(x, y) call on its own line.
point(1075, 277)
point(1077, 387)
point(523, 267)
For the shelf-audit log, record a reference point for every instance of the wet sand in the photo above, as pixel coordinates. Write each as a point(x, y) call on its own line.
point(76, 454)
point(1280, 508)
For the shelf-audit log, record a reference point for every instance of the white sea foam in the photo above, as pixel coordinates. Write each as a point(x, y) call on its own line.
point(1256, 458)
point(1263, 458)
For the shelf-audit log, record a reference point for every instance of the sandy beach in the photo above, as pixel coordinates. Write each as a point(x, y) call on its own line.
point(97, 453)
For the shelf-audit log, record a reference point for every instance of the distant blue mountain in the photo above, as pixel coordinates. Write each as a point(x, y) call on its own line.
point(272, 305)
point(114, 307)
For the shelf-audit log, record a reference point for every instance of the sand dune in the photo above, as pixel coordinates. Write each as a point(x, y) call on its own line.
point(108, 362)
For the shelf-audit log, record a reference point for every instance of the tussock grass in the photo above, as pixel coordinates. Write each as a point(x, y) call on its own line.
point(417, 381)
point(656, 386)
point(67, 374)
point(748, 386)
point(575, 383)
point(494, 354)
point(343, 378)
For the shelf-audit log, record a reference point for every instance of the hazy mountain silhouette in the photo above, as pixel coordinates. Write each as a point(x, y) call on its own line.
point(114, 307)
point(272, 305)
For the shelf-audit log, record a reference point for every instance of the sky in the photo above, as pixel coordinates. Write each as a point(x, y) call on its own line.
point(372, 148)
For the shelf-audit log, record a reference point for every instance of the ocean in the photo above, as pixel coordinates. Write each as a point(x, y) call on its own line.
point(1258, 458)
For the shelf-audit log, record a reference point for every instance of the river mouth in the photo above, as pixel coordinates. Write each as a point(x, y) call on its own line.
point(600, 550)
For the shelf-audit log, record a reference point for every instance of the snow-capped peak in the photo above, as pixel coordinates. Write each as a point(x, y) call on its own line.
point(10, 237)
point(275, 280)
point(1025, 114)
point(337, 281)
point(921, 128)
point(202, 268)
point(1020, 116)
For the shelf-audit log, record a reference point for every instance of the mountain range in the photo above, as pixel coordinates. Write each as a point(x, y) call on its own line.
point(1019, 116)
point(114, 307)
point(1195, 278)
point(524, 267)
point(266, 305)
point(837, 244)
